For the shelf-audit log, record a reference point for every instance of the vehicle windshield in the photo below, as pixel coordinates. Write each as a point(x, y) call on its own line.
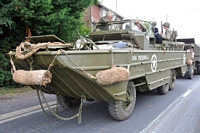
point(113, 26)
point(122, 25)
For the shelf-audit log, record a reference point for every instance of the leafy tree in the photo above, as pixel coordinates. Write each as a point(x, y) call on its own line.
point(22, 18)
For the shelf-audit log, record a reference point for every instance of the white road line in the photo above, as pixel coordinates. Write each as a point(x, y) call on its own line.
point(23, 112)
point(156, 120)
point(187, 93)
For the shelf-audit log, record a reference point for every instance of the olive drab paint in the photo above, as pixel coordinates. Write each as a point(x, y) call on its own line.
point(151, 65)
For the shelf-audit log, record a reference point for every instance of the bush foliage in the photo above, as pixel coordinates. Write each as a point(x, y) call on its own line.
point(19, 18)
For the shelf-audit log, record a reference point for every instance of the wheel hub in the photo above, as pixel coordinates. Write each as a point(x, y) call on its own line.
point(127, 104)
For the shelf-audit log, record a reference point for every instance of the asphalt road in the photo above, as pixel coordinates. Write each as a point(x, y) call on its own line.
point(176, 112)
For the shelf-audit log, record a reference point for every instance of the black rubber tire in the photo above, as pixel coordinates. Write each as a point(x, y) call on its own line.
point(198, 69)
point(122, 110)
point(195, 69)
point(172, 79)
point(68, 102)
point(162, 90)
point(190, 72)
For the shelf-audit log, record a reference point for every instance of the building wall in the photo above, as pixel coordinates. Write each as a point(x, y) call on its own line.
point(93, 14)
point(96, 13)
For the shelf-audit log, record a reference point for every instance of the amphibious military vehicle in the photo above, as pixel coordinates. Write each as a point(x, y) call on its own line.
point(111, 64)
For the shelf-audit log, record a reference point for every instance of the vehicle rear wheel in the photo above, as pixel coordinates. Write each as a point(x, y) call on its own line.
point(195, 69)
point(190, 72)
point(162, 90)
point(172, 79)
point(68, 102)
point(121, 110)
point(198, 69)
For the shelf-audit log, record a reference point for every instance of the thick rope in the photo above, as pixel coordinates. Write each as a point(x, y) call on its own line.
point(89, 75)
point(130, 53)
point(83, 99)
point(13, 68)
point(30, 51)
point(50, 65)
point(112, 58)
point(111, 51)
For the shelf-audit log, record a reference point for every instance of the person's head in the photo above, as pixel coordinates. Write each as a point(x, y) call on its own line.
point(191, 49)
point(154, 23)
point(110, 15)
point(166, 25)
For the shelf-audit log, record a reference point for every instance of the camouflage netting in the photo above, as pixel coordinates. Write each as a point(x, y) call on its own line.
point(36, 77)
point(113, 75)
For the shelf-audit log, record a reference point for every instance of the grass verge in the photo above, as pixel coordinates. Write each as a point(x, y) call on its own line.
point(14, 91)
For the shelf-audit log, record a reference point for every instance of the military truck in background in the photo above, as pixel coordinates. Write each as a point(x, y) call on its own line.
point(110, 65)
point(193, 53)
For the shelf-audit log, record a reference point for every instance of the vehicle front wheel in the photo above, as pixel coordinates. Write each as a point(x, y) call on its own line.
point(121, 110)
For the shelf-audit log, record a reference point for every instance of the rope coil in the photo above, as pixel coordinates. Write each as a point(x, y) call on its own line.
point(26, 50)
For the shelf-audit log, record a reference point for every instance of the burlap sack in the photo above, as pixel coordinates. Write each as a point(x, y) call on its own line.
point(113, 75)
point(36, 77)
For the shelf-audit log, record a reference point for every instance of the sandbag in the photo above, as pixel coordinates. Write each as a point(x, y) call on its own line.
point(113, 75)
point(35, 77)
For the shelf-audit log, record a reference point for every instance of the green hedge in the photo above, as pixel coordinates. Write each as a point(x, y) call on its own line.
point(42, 17)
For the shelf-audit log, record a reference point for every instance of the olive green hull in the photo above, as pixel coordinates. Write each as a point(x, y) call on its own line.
point(69, 73)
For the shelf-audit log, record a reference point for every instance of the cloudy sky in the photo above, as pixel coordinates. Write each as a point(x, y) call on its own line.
point(183, 15)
